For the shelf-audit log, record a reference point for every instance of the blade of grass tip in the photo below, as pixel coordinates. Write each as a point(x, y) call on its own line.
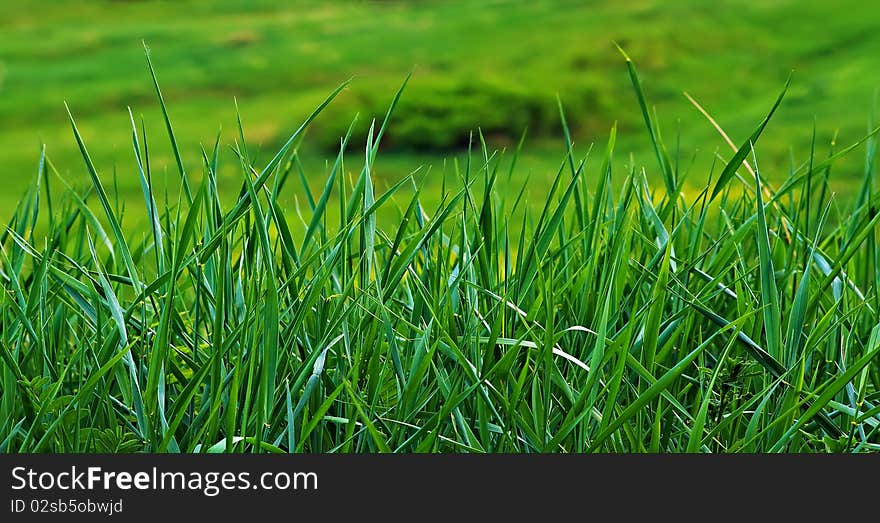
point(743, 152)
point(771, 198)
point(870, 153)
point(769, 292)
point(388, 115)
point(403, 261)
point(354, 199)
point(270, 166)
point(369, 227)
point(11, 363)
point(161, 260)
point(578, 205)
point(795, 331)
point(311, 384)
point(402, 229)
point(270, 304)
point(603, 181)
point(149, 200)
point(656, 142)
point(44, 160)
point(807, 196)
point(242, 146)
point(35, 214)
point(212, 169)
point(121, 241)
point(516, 155)
point(175, 149)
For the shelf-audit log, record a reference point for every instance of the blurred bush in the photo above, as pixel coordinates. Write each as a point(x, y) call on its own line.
point(439, 114)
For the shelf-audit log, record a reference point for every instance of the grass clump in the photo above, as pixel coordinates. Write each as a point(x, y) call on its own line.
point(619, 318)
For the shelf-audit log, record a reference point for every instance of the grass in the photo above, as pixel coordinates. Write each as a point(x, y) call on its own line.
point(468, 58)
point(616, 316)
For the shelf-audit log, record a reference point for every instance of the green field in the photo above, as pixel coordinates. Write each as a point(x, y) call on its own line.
point(415, 281)
point(492, 65)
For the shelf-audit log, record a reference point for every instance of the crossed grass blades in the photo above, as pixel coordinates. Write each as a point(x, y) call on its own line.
point(619, 319)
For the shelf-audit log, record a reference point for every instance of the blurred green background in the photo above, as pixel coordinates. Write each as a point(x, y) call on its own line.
point(496, 65)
